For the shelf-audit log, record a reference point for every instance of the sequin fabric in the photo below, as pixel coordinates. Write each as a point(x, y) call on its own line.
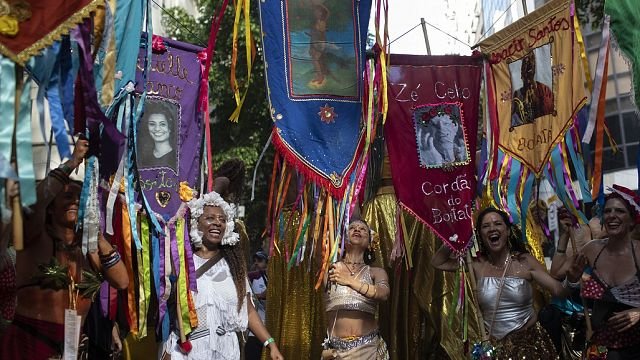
point(340, 297)
point(533, 343)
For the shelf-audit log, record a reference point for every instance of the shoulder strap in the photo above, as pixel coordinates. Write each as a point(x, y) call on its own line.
point(209, 264)
point(495, 309)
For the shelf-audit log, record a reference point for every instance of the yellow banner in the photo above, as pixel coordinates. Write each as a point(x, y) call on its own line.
point(538, 78)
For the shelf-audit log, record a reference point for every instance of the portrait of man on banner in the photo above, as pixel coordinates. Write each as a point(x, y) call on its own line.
point(440, 135)
point(157, 130)
point(531, 79)
point(323, 56)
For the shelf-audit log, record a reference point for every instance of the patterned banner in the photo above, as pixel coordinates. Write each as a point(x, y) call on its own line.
point(26, 27)
point(314, 55)
point(431, 139)
point(170, 131)
point(537, 77)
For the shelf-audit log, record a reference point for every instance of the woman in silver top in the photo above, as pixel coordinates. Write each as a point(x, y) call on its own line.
point(352, 293)
point(504, 272)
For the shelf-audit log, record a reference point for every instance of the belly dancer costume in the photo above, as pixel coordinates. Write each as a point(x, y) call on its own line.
point(343, 298)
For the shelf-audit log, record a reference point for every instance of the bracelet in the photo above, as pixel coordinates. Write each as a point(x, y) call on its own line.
point(268, 341)
point(110, 260)
point(65, 168)
point(568, 284)
point(558, 251)
point(375, 292)
point(366, 293)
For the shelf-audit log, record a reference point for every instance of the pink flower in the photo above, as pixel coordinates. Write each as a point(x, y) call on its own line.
point(157, 44)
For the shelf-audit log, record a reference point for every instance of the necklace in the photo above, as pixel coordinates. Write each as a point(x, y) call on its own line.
point(501, 267)
point(357, 266)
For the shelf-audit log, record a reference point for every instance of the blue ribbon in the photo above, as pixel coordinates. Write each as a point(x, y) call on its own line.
point(578, 165)
point(512, 190)
point(24, 149)
point(128, 23)
point(7, 105)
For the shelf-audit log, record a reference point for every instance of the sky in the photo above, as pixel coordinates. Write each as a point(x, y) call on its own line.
point(454, 17)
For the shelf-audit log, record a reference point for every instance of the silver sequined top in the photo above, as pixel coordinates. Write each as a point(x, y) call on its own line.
point(514, 309)
point(340, 297)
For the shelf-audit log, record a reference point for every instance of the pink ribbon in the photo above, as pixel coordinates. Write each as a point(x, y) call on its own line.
point(157, 45)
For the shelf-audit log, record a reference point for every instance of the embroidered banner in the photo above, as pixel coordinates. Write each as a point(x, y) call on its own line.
point(537, 77)
point(431, 139)
point(170, 130)
point(314, 60)
point(26, 27)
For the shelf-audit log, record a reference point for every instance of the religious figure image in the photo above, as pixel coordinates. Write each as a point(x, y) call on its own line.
point(157, 134)
point(532, 78)
point(322, 49)
point(440, 136)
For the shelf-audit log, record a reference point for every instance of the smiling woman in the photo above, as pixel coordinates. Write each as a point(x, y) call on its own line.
point(613, 282)
point(157, 134)
point(504, 272)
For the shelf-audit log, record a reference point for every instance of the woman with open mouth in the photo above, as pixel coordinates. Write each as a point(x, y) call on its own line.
point(504, 272)
point(612, 279)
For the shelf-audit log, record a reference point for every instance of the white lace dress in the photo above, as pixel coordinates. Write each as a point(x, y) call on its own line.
point(217, 306)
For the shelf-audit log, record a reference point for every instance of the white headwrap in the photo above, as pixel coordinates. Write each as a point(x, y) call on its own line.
point(197, 205)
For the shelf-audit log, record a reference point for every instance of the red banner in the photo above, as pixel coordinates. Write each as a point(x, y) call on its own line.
point(431, 136)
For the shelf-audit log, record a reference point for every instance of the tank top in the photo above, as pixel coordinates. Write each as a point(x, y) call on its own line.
point(340, 297)
point(515, 306)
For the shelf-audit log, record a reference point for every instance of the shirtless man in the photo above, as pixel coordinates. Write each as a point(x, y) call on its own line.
point(37, 331)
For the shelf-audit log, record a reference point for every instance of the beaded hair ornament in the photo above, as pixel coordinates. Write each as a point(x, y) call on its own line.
point(197, 205)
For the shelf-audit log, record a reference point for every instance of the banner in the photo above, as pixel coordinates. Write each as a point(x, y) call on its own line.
point(314, 61)
point(538, 86)
point(169, 134)
point(431, 138)
point(26, 27)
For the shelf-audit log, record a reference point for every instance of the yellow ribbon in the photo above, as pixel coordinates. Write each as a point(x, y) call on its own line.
point(144, 271)
point(126, 237)
point(240, 6)
point(183, 286)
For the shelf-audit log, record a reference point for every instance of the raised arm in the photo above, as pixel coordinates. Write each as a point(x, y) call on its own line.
point(109, 262)
point(442, 259)
point(542, 277)
point(47, 190)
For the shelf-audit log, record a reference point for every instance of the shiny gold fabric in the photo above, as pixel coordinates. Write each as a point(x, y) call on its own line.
point(533, 343)
point(295, 313)
point(415, 320)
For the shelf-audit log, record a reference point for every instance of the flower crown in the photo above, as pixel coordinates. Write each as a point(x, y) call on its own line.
point(441, 110)
point(197, 205)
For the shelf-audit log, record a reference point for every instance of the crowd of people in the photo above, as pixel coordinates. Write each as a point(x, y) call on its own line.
point(596, 278)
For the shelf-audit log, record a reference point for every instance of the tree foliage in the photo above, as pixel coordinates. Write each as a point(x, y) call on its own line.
point(246, 138)
point(590, 12)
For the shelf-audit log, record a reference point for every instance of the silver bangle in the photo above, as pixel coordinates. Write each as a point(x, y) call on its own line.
point(570, 285)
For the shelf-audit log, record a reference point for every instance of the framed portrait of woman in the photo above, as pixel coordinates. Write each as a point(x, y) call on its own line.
point(157, 140)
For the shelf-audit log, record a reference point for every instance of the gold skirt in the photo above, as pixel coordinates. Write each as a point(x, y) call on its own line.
point(532, 343)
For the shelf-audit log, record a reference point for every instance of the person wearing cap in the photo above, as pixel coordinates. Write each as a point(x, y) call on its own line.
point(258, 281)
point(612, 279)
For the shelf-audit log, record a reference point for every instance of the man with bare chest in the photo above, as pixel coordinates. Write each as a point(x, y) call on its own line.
point(52, 272)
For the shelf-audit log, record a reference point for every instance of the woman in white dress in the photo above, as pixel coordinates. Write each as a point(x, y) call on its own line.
point(223, 300)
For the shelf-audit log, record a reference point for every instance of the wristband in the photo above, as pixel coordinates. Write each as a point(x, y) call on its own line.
point(65, 168)
point(561, 251)
point(567, 284)
point(268, 341)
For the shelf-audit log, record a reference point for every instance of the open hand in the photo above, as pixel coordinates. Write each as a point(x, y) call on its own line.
point(79, 152)
point(624, 320)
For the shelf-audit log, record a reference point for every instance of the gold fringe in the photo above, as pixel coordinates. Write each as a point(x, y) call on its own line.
point(56, 34)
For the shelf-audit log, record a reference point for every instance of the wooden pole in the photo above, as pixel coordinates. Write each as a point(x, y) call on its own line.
point(426, 37)
point(474, 287)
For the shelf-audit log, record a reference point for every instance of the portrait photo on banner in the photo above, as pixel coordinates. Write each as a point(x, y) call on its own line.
point(157, 134)
point(440, 135)
point(322, 48)
point(532, 85)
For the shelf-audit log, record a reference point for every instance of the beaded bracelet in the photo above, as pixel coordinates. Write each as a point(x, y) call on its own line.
point(268, 341)
point(110, 261)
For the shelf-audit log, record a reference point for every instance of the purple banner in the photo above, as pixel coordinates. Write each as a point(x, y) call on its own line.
point(170, 130)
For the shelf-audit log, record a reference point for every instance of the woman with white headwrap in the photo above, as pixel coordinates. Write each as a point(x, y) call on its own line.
point(223, 300)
